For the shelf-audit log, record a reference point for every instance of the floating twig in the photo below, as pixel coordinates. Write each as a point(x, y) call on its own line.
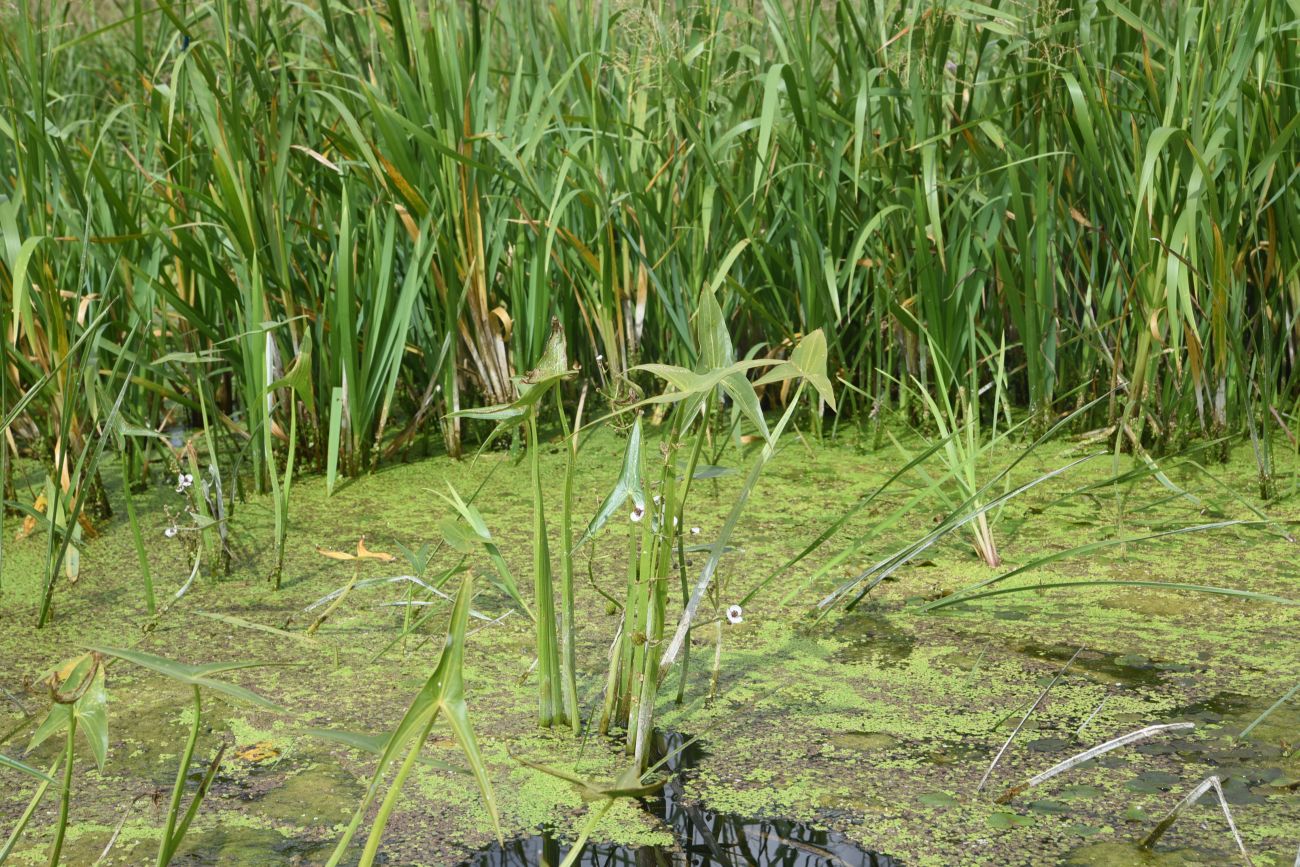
point(1092, 753)
point(1042, 695)
point(1091, 716)
point(1259, 719)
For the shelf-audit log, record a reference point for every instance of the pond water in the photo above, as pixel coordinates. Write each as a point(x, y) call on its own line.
point(702, 838)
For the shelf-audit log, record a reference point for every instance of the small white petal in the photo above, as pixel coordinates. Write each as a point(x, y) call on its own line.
point(695, 531)
point(637, 514)
point(735, 614)
point(169, 532)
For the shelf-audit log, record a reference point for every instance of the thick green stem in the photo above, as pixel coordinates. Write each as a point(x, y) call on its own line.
point(65, 793)
point(548, 657)
point(568, 634)
point(694, 461)
point(720, 543)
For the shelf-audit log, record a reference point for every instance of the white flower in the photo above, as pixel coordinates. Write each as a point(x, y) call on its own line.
point(599, 357)
point(183, 481)
point(637, 514)
point(170, 532)
point(695, 531)
point(674, 521)
point(735, 615)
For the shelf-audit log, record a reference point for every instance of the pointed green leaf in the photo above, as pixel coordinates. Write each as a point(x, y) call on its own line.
point(629, 484)
point(194, 675)
point(550, 370)
point(299, 376)
point(459, 536)
point(92, 717)
point(809, 362)
point(689, 382)
point(497, 412)
point(90, 707)
point(469, 514)
point(711, 334)
point(627, 785)
point(443, 692)
point(6, 762)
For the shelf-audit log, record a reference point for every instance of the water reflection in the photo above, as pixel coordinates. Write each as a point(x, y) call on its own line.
point(704, 838)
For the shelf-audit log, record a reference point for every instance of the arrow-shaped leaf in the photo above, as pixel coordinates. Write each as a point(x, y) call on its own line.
point(629, 484)
point(90, 706)
point(195, 675)
point(809, 362)
point(443, 693)
point(299, 376)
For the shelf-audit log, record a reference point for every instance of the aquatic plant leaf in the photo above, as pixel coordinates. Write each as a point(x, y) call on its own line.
point(550, 370)
point(628, 784)
point(807, 361)
point(443, 693)
point(183, 826)
point(1159, 585)
point(709, 471)
point(690, 382)
point(711, 333)
point(1024, 719)
point(964, 514)
point(497, 412)
point(1265, 715)
point(459, 536)
point(231, 620)
point(82, 677)
point(695, 387)
point(6, 762)
point(471, 515)
point(418, 559)
point(298, 376)
point(718, 354)
point(207, 356)
point(745, 398)
point(195, 675)
point(476, 534)
point(629, 485)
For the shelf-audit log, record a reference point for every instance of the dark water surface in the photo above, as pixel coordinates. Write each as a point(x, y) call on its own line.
point(703, 838)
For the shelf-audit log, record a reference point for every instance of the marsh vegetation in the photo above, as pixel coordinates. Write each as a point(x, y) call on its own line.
point(596, 433)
